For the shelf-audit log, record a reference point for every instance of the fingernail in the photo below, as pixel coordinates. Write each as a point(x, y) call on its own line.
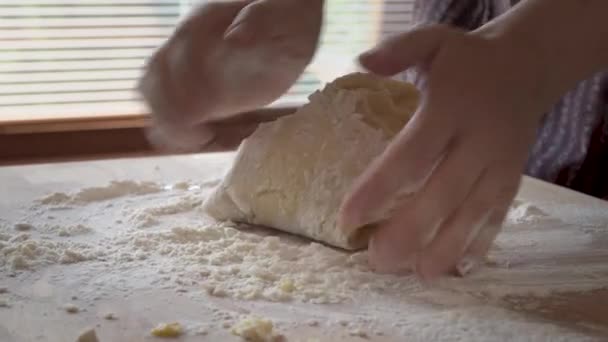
point(370, 58)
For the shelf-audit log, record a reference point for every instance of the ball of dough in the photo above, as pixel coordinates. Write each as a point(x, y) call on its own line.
point(293, 173)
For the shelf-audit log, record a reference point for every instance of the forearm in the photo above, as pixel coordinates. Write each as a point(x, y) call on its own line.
point(568, 38)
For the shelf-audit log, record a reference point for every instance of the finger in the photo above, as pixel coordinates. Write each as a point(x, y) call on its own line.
point(156, 88)
point(252, 22)
point(494, 190)
point(402, 169)
point(417, 221)
point(405, 50)
point(482, 243)
point(478, 249)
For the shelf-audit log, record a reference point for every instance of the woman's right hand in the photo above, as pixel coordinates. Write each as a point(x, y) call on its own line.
point(226, 59)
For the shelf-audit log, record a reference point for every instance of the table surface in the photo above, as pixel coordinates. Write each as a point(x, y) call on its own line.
point(34, 296)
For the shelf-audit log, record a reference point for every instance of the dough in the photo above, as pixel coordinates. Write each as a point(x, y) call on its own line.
point(292, 174)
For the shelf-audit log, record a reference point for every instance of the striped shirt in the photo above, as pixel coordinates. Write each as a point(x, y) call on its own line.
point(572, 143)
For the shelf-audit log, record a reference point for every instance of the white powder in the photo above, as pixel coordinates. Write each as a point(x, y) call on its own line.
point(183, 250)
point(113, 190)
point(22, 253)
point(522, 212)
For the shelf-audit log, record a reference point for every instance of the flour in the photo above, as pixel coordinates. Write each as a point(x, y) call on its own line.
point(522, 212)
point(193, 256)
point(114, 190)
point(23, 253)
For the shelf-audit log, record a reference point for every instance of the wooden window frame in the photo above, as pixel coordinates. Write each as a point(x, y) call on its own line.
point(85, 138)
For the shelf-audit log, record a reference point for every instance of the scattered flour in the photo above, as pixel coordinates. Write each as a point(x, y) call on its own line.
point(522, 212)
point(114, 190)
point(68, 231)
point(245, 265)
point(180, 249)
point(23, 252)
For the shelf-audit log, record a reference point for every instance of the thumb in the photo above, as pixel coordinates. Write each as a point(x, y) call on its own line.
point(400, 52)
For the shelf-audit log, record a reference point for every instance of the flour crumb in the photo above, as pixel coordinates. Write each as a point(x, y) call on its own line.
point(312, 323)
point(287, 285)
point(72, 230)
point(88, 336)
point(343, 322)
point(181, 186)
point(357, 332)
point(22, 227)
point(168, 330)
point(202, 331)
point(72, 257)
point(255, 330)
point(71, 308)
point(114, 190)
point(4, 303)
point(3, 289)
point(110, 316)
point(523, 212)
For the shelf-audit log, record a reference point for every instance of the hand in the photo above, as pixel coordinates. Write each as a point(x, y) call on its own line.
point(450, 175)
point(224, 59)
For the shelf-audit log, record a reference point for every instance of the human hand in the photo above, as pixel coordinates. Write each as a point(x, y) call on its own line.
point(449, 177)
point(227, 58)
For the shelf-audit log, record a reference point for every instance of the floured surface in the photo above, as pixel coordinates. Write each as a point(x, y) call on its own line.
point(140, 253)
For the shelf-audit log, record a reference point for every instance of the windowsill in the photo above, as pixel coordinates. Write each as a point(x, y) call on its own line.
point(95, 137)
point(65, 124)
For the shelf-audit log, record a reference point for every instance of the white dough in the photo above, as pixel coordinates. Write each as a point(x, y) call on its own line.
point(292, 174)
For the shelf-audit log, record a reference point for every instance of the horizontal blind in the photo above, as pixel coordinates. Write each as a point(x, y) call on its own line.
point(80, 58)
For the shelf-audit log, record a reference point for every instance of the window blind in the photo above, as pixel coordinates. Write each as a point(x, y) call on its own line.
point(80, 58)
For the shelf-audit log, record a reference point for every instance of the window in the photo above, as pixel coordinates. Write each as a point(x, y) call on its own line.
point(75, 58)
point(70, 66)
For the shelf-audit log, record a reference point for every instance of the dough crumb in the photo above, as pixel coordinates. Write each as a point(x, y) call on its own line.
point(255, 329)
point(3, 289)
point(88, 335)
point(168, 330)
point(287, 285)
point(71, 308)
point(4, 303)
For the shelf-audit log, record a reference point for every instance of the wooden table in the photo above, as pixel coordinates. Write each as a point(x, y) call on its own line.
point(35, 296)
